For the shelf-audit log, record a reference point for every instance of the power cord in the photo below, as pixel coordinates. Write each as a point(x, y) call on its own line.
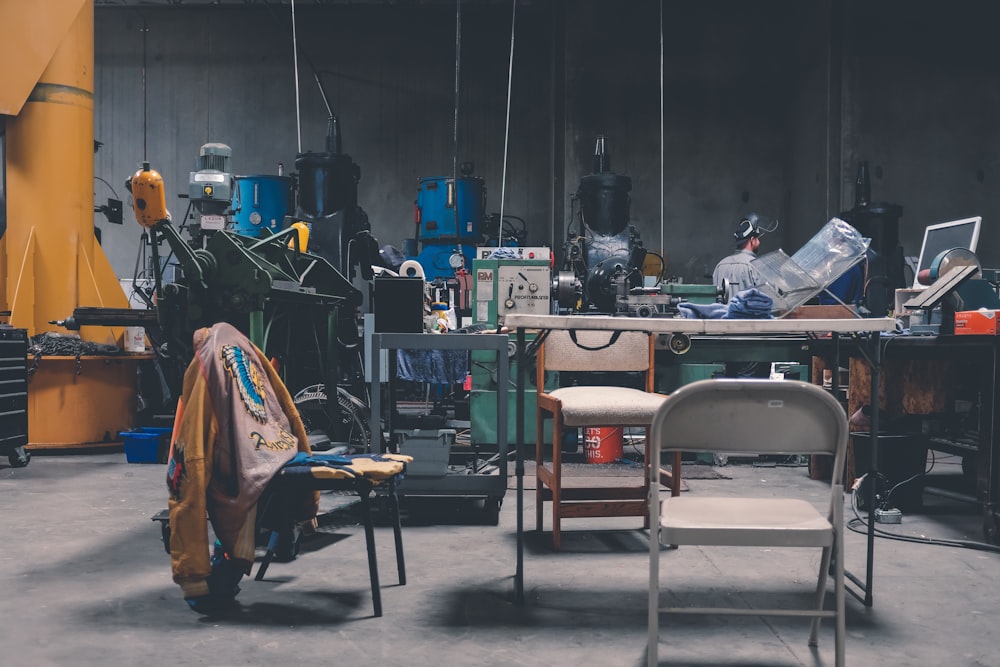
point(860, 525)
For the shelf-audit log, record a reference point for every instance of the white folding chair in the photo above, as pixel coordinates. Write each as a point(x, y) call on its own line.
point(759, 417)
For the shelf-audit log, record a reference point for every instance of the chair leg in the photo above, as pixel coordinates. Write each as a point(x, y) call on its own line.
point(539, 462)
point(397, 532)
point(824, 568)
point(364, 492)
point(675, 475)
point(653, 611)
point(645, 478)
point(272, 544)
point(556, 481)
point(838, 584)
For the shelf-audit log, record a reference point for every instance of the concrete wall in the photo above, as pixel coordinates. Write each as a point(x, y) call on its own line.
point(767, 106)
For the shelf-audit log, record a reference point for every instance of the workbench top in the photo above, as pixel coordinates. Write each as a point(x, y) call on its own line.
point(668, 325)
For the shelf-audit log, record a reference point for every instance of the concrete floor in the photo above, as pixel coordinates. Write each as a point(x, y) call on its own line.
point(86, 581)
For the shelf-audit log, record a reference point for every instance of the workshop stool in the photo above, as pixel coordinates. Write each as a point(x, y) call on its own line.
point(360, 474)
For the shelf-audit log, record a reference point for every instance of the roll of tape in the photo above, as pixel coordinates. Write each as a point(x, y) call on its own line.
point(411, 268)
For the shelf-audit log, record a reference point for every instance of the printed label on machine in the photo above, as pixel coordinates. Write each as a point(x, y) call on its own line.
point(484, 284)
point(213, 222)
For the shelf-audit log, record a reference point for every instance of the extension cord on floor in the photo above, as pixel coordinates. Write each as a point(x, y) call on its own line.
point(890, 515)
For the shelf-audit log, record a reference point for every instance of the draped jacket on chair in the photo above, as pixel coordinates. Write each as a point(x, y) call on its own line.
point(237, 428)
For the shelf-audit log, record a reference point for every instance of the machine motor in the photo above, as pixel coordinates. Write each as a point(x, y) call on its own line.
point(606, 248)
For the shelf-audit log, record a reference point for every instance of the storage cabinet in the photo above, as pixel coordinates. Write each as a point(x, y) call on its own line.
point(13, 394)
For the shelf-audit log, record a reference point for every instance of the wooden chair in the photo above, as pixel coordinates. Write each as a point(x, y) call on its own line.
point(752, 416)
point(594, 406)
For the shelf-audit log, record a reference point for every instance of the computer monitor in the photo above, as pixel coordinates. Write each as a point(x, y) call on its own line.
point(945, 236)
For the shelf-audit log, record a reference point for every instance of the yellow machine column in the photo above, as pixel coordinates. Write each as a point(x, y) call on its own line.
point(49, 256)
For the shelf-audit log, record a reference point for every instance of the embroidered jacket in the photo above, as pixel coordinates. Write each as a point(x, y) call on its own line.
point(238, 426)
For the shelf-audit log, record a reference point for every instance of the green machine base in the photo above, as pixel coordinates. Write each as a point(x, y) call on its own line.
point(483, 402)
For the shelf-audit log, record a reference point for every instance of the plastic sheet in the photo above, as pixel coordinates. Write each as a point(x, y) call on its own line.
point(791, 281)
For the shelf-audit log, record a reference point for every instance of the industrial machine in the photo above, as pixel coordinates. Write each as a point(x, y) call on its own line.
point(290, 303)
point(956, 284)
point(261, 203)
point(878, 221)
point(662, 300)
point(603, 247)
point(328, 203)
point(448, 215)
point(210, 187)
point(508, 280)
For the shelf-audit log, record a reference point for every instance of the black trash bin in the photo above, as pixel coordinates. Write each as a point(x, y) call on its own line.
point(902, 461)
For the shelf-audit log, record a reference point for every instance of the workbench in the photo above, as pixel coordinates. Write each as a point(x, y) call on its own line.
point(923, 377)
point(864, 331)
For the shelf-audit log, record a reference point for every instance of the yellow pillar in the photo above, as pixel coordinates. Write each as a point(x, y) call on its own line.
point(52, 262)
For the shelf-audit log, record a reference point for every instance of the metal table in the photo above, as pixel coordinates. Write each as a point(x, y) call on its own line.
point(491, 486)
point(860, 328)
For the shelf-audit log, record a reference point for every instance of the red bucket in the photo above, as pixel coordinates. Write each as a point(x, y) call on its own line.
point(602, 444)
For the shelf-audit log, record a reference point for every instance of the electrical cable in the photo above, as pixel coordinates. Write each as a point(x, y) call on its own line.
point(888, 495)
point(295, 59)
point(458, 69)
point(506, 132)
point(145, 32)
point(110, 187)
point(662, 175)
point(140, 259)
point(855, 525)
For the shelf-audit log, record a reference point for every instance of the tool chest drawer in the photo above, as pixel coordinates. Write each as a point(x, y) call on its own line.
point(13, 388)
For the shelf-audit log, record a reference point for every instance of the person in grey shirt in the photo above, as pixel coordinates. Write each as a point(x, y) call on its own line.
point(736, 269)
point(739, 275)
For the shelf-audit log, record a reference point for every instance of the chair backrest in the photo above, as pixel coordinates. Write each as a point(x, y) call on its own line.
point(597, 351)
point(588, 350)
point(753, 416)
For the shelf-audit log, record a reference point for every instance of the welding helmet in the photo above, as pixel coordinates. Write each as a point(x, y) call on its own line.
point(752, 225)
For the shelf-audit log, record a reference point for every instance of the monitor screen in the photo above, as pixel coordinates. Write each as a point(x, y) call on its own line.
point(945, 236)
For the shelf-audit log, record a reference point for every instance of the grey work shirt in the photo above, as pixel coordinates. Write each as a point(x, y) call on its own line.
point(737, 270)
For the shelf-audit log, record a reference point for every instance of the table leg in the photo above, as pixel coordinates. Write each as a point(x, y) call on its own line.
point(986, 468)
point(519, 469)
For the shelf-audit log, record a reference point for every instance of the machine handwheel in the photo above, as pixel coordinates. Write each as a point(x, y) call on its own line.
point(19, 458)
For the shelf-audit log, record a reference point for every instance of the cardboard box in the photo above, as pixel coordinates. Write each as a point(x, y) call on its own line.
point(977, 323)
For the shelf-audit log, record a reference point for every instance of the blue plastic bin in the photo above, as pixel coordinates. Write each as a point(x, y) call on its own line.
point(148, 444)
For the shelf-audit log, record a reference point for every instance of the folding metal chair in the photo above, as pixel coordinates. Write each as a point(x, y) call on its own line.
point(753, 416)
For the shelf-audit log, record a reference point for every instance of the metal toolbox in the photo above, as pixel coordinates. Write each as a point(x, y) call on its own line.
point(13, 390)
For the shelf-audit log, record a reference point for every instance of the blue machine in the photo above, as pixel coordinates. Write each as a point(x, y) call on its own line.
point(261, 202)
point(448, 220)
